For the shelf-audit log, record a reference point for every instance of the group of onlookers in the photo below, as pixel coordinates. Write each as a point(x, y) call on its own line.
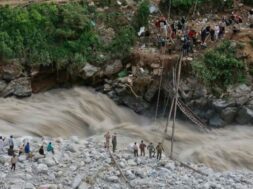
point(168, 33)
point(142, 147)
point(23, 149)
point(152, 150)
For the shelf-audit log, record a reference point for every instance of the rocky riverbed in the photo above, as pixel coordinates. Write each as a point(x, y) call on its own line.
point(83, 164)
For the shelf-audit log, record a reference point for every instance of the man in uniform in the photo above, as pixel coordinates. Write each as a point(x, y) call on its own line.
point(151, 150)
point(159, 149)
point(114, 142)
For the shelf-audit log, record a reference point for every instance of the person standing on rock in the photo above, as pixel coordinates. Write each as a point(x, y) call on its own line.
point(21, 149)
point(159, 149)
point(41, 151)
point(151, 150)
point(142, 148)
point(114, 142)
point(27, 150)
point(107, 139)
point(14, 160)
point(50, 148)
point(11, 151)
point(11, 142)
point(135, 150)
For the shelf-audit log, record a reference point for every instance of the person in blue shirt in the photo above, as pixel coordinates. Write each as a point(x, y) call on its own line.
point(50, 148)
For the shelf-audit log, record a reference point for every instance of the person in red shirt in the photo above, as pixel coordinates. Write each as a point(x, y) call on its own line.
point(142, 148)
point(193, 36)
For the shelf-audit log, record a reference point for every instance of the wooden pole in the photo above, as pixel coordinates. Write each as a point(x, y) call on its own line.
point(171, 106)
point(169, 13)
point(195, 7)
point(159, 91)
point(175, 107)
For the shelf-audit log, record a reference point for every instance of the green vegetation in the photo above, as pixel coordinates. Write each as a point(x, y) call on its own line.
point(251, 43)
point(64, 36)
point(186, 5)
point(248, 2)
point(142, 15)
point(220, 66)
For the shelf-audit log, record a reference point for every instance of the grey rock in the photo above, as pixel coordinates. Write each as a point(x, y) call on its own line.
point(19, 87)
point(216, 121)
point(113, 68)
point(221, 104)
point(3, 85)
point(245, 116)
point(42, 168)
point(84, 185)
point(152, 89)
point(112, 179)
point(130, 175)
point(89, 70)
point(77, 181)
point(229, 114)
point(48, 186)
point(242, 100)
point(29, 186)
point(49, 162)
point(138, 105)
point(11, 71)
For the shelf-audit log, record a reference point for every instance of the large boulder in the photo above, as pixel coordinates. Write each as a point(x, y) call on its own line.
point(10, 71)
point(138, 105)
point(113, 68)
point(220, 104)
point(150, 93)
point(245, 116)
point(42, 168)
point(89, 70)
point(19, 87)
point(229, 114)
point(216, 121)
point(3, 85)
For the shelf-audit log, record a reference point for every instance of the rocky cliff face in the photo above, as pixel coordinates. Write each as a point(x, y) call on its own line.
point(235, 107)
point(134, 82)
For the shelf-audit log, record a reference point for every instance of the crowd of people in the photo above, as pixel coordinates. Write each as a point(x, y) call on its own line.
point(24, 148)
point(181, 33)
point(136, 148)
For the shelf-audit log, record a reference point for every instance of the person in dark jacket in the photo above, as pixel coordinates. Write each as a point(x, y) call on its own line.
point(27, 150)
point(159, 149)
point(114, 142)
point(41, 151)
point(204, 34)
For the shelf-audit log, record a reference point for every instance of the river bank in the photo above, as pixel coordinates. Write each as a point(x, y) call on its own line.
point(83, 164)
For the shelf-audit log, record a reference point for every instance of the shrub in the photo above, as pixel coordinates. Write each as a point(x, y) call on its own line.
point(248, 2)
point(62, 35)
point(186, 5)
point(220, 67)
point(122, 42)
point(142, 15)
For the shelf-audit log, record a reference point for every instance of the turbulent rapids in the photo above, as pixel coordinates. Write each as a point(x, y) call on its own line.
point(84, 113)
